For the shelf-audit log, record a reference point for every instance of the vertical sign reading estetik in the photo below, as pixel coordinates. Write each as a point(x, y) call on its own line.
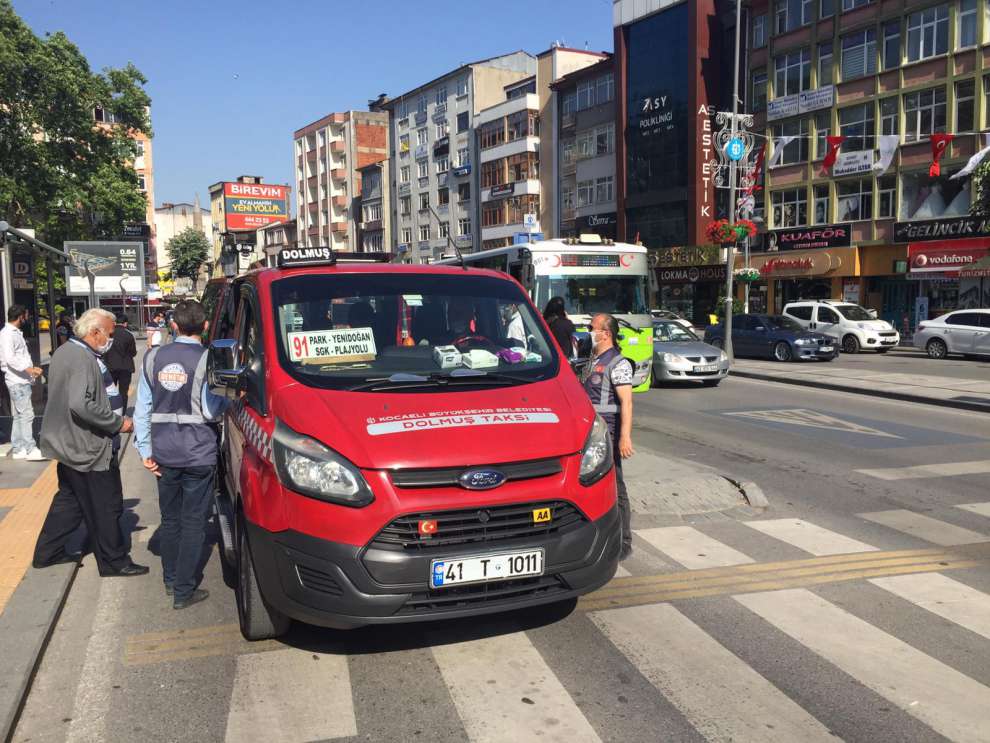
point(707, 196)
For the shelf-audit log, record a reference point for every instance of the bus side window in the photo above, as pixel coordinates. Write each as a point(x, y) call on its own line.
point(516, 271)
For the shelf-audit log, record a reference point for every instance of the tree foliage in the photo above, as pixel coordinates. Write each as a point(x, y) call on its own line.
point(981, 190)
point(188, 251)
point(60, 173)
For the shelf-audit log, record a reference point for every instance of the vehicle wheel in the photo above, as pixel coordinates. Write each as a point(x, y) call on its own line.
point(850, 344)
point(782, 351)
point(710, 382)
point(937, 349)
point(258, 620)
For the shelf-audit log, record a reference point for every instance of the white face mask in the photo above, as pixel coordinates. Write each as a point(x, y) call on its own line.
point(596, 337)
point(105, 347)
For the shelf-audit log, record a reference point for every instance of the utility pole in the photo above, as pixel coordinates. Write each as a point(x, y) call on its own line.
point(730, 256)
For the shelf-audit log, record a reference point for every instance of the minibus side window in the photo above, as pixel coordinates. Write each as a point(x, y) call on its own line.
point(252, 354)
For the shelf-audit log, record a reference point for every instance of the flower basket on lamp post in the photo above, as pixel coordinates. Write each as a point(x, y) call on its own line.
point(722, 231)
point(746, 275)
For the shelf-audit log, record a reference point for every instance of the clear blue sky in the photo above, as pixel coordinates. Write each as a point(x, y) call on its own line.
point(230, 81)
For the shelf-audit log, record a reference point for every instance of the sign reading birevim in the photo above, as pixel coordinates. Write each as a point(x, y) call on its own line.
point(250, 206)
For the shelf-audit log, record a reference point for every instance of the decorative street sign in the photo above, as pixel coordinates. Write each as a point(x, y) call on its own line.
point(735, 149)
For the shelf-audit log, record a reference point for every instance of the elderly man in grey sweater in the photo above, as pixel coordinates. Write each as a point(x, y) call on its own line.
point(78, 431)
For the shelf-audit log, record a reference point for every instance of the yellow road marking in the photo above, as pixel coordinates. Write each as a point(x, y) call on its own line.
point(19, 529)
point(186, 644)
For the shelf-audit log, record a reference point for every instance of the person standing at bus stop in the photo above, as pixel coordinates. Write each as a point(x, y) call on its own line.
point(608, 382)
point(172, 434)
point(120, 358)
point(20, 374)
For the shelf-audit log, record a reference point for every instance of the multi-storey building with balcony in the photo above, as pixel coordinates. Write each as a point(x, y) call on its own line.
point(376, 216)
point(585, 184)
point(432, 149)
point(876, 227)
point(329, 154)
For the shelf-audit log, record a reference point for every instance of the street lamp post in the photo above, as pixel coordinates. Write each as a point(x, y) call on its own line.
point(730, 252)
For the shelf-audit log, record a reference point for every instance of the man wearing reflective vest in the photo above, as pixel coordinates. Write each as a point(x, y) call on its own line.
point(608, 382)
point(172, 434)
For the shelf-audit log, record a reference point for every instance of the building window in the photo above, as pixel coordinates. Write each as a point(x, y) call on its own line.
point(567, 197)
point(373, 213)
point(424, 232)
point(404, 144)
point(492, 134)
point(422, 136)
point(855, 199)
point(424, 202)
point(442, 95)
point(791, 14)
point(856, 124)
point(404, 174)
point(442, 130)
point(443, 196)
point(889, 123)
point(464, 226)
point(141, 183)
point(585, 193)
point(520, 125)
point(424, 168)
point(604, 89)
point(965, 105)
point(792, 73)
point(827, 8)
point(463, 191)
point(585, 144)
point(824, 64)
point(493, 213)
point(405, 206)
point(492, 173)
point(892, 45)
point(569, 104)
point(796, 151)
point(966, 20)
point(462, 87)
point(463, 157)
point(406, 235)
point(924, 114)
point(463, 121)
point(823, 124)
point(928, 33)
point(444, 229)
point(859, 54)
point(790, 207)
point(986, 102)
point(421, 104)
point(518, 206)
point(822, 211)
point(759, 31)
point(604, 189)
point(759, 96)
point(848, 5)
point(403, 109)
point(585, 95)
point(443, 164)
point(886, 197)
point(139, 145)
point(522, 167)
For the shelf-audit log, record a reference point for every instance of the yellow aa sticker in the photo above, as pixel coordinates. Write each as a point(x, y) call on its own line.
point(541, 515)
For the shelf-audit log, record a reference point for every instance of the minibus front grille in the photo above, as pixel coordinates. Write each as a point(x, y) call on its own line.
point(448, 477)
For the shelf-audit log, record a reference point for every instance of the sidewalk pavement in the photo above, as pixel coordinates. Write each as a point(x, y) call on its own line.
point(967, 394)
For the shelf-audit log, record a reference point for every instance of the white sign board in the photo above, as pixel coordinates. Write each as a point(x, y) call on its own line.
point(800, 103)
point(109, 263)
point(339, 346)
point(530, 221)
point(852, 163)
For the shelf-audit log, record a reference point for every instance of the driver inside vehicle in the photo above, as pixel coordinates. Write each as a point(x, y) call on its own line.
point(460, 319)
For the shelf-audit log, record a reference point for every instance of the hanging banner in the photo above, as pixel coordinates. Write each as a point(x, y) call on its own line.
point(888, 146)
point(778, 150)
point(940, 143)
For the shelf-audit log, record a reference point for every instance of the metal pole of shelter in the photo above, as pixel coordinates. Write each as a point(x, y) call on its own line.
point(730, 257)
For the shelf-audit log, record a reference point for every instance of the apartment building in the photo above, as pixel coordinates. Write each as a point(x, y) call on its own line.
point(432, 186)
point(170, 220)
point(376, 217)
point(274, 238)
point(329, 155)
point(238, 210)
point(585, 139)
point(874, 226)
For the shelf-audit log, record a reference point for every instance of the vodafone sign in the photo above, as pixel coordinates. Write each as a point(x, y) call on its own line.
point(949, 256)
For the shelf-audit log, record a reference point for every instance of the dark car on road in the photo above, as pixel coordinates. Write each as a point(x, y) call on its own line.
point(776, 337)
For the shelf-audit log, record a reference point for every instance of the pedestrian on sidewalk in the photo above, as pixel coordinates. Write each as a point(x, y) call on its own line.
point(176, 442)
point(608, 382)
point(63, 330)
point(78, 431)
point(20, 374)
point(561, 327)
point(120, 358)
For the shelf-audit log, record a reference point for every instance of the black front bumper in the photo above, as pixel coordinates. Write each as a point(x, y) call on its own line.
point(330, 584)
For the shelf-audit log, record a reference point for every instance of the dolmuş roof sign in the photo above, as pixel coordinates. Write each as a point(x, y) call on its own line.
point(249, 206)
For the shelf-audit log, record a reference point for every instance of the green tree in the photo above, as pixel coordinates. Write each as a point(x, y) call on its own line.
point(981, 190)
point(188, 251)
point(60, 173)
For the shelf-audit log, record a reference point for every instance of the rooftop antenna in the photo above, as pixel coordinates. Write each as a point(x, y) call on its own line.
point(450, 243)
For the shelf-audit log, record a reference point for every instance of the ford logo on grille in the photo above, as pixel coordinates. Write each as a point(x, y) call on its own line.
point(481, 479)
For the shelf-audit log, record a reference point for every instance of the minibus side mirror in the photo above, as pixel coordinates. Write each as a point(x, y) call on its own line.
point(223, 374)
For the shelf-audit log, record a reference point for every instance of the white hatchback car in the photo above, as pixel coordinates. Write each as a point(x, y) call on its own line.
point(963, 331)
point(853, 327)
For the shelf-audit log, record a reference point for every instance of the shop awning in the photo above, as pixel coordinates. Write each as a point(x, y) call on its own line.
point(948, 257)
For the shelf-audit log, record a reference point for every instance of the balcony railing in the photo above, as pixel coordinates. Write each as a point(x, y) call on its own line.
point(338, 226)
point(420, 117)
point(338, 146)
point(422, 150)
point(404, 189)
point(462, 170)
point(440, 112)
point(567, 120)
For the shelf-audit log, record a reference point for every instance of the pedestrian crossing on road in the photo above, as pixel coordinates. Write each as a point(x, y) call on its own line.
point(505, 686)
point(921, 471)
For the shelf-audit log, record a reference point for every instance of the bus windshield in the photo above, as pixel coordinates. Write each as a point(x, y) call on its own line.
point(587, 295)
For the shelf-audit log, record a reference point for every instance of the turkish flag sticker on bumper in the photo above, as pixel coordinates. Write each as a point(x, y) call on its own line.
point(427, 527)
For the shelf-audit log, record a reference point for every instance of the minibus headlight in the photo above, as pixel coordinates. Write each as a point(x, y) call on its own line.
point(308, 467)
point(596, 457)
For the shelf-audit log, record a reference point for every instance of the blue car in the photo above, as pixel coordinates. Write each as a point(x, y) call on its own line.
point(775, 337)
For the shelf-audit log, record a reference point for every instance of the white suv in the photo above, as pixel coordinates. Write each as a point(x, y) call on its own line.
point(853, 327)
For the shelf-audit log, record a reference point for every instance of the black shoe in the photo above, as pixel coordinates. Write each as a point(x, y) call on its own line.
point(169, 590)
point(64, 558)
point(128, 571)
point(200, 594)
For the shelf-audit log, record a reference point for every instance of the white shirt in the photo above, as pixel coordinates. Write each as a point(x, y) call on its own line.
point(516, 329)
point(15, 359)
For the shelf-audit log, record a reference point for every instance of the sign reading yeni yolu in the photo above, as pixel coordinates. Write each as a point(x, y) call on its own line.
point(249, 206)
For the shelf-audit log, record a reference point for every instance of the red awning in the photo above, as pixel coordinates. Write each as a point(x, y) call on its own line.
point(947, 256)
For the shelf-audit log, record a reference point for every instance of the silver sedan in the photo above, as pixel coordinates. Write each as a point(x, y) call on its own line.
point(680, 356)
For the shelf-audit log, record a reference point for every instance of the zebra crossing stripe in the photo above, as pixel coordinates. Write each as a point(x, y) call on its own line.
point(504, 690)
point(292, 695)
point(723, 697)
point(947, 469)
point(809, 537)
point(982, 509)
point(692, 548)
point(948, 701)
point(944, 597)
point(925, 527)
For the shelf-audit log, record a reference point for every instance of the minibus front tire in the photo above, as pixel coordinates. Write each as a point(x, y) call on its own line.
point(257, 619)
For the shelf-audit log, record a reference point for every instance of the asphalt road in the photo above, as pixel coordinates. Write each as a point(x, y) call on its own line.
point(855, 607)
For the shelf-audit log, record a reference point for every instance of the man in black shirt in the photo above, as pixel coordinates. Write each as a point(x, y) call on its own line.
point(120, 358)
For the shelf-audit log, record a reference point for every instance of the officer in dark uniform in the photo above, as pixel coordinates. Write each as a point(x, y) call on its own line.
point(608, 382)
point(173, 436)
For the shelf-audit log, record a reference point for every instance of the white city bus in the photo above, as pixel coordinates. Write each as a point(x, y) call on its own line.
point(592, 276)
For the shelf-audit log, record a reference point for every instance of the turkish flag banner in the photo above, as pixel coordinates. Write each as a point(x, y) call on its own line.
point(834, 143)
point(940, 143)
